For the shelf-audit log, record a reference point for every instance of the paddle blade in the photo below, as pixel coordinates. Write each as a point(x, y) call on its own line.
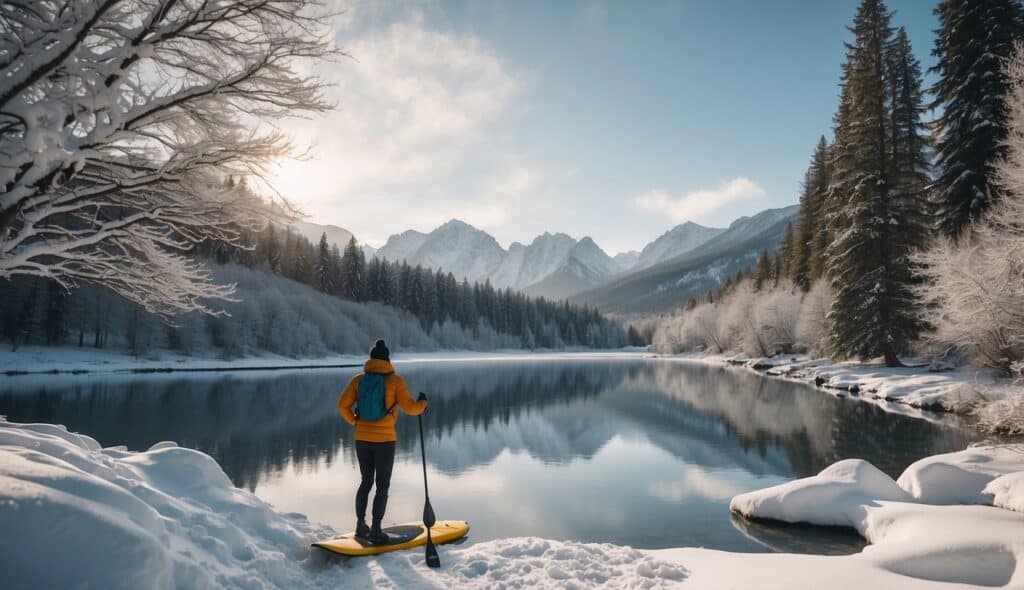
point(428, 515)
point(433, 559)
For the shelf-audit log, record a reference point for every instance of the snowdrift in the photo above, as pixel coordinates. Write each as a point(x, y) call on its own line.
point(913, 527)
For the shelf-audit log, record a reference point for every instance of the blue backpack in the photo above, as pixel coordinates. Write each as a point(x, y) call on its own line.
point(370, 397)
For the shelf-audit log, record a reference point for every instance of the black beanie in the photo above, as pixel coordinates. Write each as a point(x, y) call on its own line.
point(380, 351)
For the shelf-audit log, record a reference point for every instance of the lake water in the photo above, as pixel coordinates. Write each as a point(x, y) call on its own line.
point(637, 451)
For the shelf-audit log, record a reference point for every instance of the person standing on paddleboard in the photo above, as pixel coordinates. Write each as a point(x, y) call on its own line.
point(369, 403)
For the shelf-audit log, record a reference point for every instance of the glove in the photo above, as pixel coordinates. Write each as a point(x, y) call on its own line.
point(422, 397)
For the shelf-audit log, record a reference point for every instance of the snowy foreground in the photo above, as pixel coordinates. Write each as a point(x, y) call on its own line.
point(170, 518)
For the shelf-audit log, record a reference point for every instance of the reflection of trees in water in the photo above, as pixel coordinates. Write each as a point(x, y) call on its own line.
point(256, 424)
point(814, 429)
point(251, 425)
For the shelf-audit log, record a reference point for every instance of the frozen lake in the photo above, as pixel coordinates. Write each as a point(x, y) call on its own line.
point(630, 450)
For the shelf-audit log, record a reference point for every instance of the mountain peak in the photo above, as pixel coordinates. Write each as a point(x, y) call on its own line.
point(456, 224)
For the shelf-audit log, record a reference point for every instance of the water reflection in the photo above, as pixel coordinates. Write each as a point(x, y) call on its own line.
point(644, 452)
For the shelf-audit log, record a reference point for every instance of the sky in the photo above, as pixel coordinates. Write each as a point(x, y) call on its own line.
point(614, 120)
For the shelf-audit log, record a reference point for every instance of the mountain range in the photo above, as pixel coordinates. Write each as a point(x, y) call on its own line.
point(684, 261)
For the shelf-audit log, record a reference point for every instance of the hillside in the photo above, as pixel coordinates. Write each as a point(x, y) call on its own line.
point(669, 284)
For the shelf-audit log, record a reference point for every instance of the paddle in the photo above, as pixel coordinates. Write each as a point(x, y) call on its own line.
point(433, 559)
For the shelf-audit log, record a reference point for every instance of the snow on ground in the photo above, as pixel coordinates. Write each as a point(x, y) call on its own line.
point(1007, 491)
point(910, 536)
point(169, 518)
point(961, 477)
point(918, 386)
point(50, 360)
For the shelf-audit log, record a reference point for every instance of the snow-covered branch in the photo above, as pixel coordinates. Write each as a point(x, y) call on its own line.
point(975, 285)
point(119, 120)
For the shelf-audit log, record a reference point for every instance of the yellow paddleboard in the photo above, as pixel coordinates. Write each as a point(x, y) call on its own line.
point(403, 536)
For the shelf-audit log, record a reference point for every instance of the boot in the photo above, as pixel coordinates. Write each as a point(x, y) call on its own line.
point(377, 536)
point(362, 530)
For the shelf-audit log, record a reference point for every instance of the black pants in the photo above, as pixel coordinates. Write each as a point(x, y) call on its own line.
point(375, 462)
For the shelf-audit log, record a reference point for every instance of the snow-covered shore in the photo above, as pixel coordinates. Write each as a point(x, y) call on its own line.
point(169, 518)
point(53, 360)
point(946, 389)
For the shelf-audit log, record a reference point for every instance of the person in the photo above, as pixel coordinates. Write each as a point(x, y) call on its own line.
point(375, 438)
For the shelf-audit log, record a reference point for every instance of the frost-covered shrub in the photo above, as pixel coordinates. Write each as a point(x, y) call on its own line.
point(812, 322)
point(757, 323)
point(974, 287)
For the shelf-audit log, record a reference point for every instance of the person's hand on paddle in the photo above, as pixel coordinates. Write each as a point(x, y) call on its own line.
point(422, 397)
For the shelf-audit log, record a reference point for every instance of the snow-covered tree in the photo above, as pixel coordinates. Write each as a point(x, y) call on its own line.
point(353, 271)
point(974, 286)
point(805, 263)
point(323, 272)
point(974, 39)
point(874, 312)
point(119, 120)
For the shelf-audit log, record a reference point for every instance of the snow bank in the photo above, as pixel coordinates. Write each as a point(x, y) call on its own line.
point(923, 386)
point(910, 533)
point(836, 496)
point(961, 477)
point(1007, 491)
point(168, 517)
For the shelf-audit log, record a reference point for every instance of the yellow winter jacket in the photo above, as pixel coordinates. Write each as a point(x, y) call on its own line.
point(396, 394)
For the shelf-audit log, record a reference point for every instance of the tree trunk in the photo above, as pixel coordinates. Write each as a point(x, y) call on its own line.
point(892, 359)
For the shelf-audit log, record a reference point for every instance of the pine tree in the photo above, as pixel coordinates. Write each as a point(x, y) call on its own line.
point(322, 272)
point(873, 313)
point(353, 271)
point(974, 39)
point(807, 249)
point(909, 149)
point(764, 271)
point(335, 270)
point(784, 252)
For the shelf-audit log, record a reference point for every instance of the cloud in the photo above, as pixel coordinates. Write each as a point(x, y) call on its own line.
point(413, 103)
point(696, 482)
point(701, 203)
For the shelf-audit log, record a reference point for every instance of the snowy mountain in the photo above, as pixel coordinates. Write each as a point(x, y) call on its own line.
point(402, 246)
point(558, 266)
point(338, 236)
point(626, 260)
point(670, 283)
point(455, 247)
point(552, 265)
point(584, 265)
point(675, 242)
point(313, 231)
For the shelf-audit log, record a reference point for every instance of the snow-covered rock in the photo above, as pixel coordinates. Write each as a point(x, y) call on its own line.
point(961, 477)
point(835, 496)
point(1007, 491)
point(976, 546)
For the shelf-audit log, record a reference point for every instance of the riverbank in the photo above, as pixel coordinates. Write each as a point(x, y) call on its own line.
point(169, 517)
point(996, 403)
point(41, 360)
